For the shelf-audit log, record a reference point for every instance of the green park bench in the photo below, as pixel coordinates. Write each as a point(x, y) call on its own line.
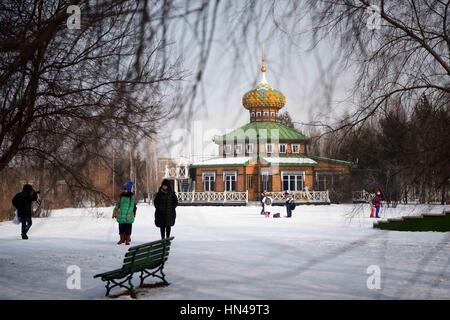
point(148, 259)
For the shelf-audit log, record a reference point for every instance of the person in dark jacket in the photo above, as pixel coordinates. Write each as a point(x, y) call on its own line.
point(23, 202)
point(165, 203)
point(289, 204)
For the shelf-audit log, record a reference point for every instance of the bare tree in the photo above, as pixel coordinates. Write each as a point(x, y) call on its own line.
point(68, 94)
point(403, 54)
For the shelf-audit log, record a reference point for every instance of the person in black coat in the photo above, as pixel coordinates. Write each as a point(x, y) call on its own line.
point(165, 203)
point(22, 202)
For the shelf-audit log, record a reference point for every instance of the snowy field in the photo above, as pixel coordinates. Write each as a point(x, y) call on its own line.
point(323, 252)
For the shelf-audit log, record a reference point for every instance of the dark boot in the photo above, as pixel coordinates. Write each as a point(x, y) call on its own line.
point(127, 239)
point(24, 236)
point(122, 239)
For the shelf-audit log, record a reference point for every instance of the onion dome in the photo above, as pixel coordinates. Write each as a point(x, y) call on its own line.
point(263, 96)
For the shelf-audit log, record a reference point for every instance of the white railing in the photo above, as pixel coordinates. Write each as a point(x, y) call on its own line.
point(362, 196)
point(178, 172)
point(212, 197)
point(303, 196)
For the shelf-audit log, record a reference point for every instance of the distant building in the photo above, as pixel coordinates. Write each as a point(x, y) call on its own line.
point(265, 154)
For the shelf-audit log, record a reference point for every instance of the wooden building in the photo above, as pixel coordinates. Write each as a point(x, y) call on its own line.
point(265, 154)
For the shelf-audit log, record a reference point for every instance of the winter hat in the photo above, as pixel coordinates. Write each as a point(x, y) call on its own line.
point(166, 182)
point(128, 186)
point(27, 188)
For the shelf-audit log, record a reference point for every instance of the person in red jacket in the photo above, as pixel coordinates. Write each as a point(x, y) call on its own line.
point(376, 204)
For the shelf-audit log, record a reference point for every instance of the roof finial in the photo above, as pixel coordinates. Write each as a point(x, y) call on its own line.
point(263, 68)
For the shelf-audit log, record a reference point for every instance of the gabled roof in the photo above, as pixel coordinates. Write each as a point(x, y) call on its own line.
point(267, 131)
point(243, 161)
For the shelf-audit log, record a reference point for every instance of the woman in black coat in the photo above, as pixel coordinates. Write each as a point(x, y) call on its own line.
point(165, 203)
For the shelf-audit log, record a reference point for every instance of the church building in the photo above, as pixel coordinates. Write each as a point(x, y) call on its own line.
point(265, 155)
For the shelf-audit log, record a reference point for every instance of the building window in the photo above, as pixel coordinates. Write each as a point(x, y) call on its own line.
point(266, 181)
point(209, 181)
point(325, 181)
point(227, 148)
point(272, 114)
point(229, 178)
point(253, 114)
point(258, 114)
point(282, 148)
point(292, 180)
point(265, 114)
point(269, 147)
point(249, 182)
point(238, 148)
point(250, 148)
point(296, 148)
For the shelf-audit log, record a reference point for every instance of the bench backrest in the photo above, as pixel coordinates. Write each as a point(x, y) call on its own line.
point(147, 256)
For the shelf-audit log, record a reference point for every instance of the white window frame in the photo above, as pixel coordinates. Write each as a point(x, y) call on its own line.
point(293, 173)
point(265, 113)
point(238, 148)
point(267, 147)
point(295, 145)
point(227, 149)
point(248, 148)
point(272, 114)
point(213, 173)
point(229, 173)
point(252, 114)
point(265, 178)
point(285, 147)
point(258, 114)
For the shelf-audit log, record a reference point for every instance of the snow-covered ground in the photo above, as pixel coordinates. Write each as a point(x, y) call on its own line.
point(323, 252)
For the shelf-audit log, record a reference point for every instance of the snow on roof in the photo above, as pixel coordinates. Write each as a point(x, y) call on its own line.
point(290, 160)
point(226, 161)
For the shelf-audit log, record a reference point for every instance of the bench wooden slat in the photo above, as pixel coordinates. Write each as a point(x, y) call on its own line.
point(139, 266)
point(146, 254)
point(109, 273)
point(151, 261)
point(153, 243)
point(146, 250)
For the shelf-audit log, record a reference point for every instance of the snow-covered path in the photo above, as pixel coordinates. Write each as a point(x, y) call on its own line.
point(323, 252)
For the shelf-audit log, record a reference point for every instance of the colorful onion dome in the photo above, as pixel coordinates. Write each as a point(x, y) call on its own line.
point(263, 95)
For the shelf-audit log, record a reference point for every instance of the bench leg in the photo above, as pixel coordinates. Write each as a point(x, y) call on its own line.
point(108, 289)
point(120, 284)
point(153, 274)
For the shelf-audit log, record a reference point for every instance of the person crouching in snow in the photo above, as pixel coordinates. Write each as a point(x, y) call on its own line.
point(263, 194)
point(267, 204)
point(376, 204)
point(125, 212)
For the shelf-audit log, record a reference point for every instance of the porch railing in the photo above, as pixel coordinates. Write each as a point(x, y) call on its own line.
point(242, 197)
point(362, 196)
point(212, 197)
point(303, 196)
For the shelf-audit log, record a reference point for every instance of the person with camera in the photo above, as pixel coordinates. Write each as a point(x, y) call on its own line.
point(23, 203)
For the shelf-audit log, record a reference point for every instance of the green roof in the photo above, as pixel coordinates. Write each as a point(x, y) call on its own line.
point(267, 130)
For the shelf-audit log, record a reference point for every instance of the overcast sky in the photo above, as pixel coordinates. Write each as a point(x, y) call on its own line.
point(304, 76)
